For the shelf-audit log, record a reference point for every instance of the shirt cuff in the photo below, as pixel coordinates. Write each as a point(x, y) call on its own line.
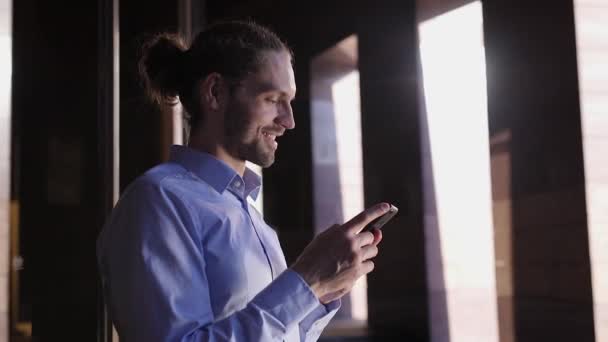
point(312, 326)
point(288, 299)
point(329, 307)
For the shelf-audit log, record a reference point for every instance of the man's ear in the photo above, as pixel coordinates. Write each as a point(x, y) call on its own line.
point(213, 92)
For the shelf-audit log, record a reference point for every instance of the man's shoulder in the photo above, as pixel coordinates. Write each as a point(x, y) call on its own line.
point(153, 179)
point(167, 187)
point(166, 176)
point(174, 182)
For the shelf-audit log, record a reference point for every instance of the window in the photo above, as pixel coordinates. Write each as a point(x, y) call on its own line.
point(592, 50)
point(337, 158)
point(456, 171)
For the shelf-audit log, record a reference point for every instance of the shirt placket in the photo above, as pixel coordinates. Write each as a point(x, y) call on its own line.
point(294, 335)
point(239, 187)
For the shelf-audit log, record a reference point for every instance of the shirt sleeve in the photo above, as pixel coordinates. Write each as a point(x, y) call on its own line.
point(313, 324)
point(155, 284)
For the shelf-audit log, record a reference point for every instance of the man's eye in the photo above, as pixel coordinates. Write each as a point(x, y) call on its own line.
point(273, 101)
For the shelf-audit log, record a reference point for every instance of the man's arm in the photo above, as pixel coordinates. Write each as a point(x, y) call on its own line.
point(157, 288)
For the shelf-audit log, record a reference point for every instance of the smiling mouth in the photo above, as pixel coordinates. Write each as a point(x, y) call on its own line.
point(271, 139)
point(269, 135)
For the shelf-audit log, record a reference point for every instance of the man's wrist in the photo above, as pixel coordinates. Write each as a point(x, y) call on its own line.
point(310, 279)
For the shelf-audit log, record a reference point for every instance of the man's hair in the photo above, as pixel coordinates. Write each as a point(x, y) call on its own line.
point(171, 71)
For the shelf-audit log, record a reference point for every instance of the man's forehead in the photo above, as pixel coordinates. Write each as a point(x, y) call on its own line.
point(274, 74)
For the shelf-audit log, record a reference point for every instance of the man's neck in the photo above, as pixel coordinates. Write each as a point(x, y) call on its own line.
point(218, 151)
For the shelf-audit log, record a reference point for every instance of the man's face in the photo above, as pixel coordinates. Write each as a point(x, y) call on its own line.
point(259, 110)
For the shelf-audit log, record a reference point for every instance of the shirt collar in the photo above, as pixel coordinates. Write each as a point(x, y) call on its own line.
point(215, 172)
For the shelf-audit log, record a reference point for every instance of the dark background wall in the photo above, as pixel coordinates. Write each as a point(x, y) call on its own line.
point(533, 93)
point(56, 107)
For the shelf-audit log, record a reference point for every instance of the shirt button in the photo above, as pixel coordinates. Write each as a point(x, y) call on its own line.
point(237, 184)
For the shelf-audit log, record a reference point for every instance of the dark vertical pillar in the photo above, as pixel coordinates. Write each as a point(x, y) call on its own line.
point(533, 92)
point(57, 63)
point(397, 293)
point(106, 95)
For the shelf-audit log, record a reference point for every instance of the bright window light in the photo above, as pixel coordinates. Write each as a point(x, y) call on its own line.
point(5, 163)
point(591, 37)
point(453, 68)
point(6, 70)
point(337, 160)
point(347, 110)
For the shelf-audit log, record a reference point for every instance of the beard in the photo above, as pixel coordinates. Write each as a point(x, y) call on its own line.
point(243, 140)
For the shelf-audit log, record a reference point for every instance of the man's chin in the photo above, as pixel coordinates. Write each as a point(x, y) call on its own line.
point(261, 160)
point(256, 154)
point(265, 163)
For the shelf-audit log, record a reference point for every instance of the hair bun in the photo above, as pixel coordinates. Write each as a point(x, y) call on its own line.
point(160, 67)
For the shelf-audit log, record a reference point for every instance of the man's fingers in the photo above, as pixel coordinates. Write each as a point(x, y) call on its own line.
point(364, 239)
point(367, 266)
point(357, 223)
point(369, 252)
point(377, 236)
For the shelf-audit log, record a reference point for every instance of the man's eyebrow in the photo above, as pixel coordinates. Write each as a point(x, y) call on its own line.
point(264, 87)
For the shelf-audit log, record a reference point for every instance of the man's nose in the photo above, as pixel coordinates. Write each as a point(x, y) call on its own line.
point(286, 118)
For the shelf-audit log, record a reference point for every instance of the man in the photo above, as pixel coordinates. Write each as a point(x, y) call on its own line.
point(184, 256)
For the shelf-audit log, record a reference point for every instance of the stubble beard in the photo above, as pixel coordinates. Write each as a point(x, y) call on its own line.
point(244, 143)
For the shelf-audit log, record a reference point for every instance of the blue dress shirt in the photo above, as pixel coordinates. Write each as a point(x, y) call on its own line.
point(185, 257)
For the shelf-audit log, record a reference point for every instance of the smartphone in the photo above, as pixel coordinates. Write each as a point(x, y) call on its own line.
point(382, 220)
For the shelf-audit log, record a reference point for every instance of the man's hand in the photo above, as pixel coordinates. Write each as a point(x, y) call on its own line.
point(336, 258)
